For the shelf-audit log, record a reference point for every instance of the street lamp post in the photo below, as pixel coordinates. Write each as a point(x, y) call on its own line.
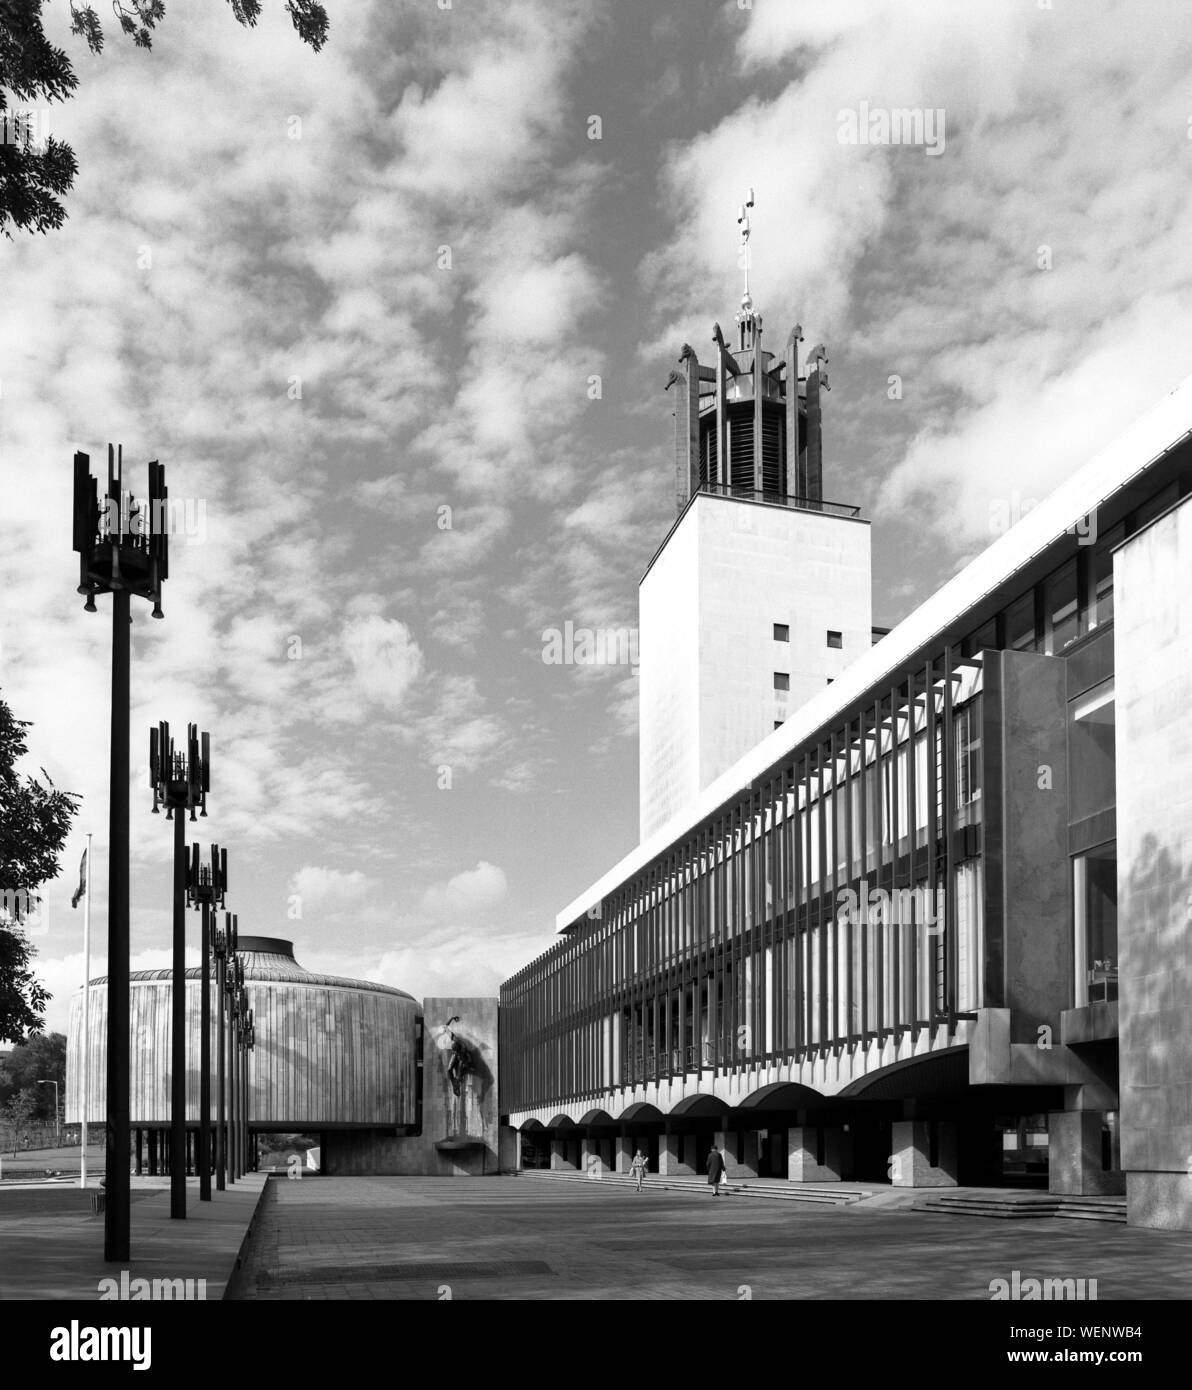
point(247, 1043)
point(206, 886)
point(121, 552)
point(250, 1040)
point(181, 781)
point(235, 981)
point(57, 1119)
point(225, 952)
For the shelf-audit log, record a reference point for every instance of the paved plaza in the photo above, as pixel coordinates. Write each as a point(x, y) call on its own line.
point(532, 1237)
point(51, 1240)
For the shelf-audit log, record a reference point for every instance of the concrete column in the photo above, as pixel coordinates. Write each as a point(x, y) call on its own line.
point(804, 1146)
point(509, 1149)
point(747, 1167)
point(591, 1161)
point(725, 1140)
point(1074, 1156)
point(670, 1156)
point(911, 1164)
point(691, 1153)
point(623, 1147)
point(560, 1158)
point(1153, 663)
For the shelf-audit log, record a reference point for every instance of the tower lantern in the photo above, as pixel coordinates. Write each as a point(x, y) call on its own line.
point(748, 424)
point(759, 596)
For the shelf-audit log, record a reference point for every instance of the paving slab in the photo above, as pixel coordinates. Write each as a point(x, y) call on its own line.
point(534, 1238)
point(51, 1243)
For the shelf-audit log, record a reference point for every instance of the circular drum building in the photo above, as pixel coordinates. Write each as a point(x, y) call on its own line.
point(330, 1054)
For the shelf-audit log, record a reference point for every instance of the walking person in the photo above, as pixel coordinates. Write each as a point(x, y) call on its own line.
point(638, 1168)
point(717, 1170)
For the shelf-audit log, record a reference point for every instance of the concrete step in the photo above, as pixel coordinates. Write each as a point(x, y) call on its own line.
point(1026, 1207)
point(774, 1191)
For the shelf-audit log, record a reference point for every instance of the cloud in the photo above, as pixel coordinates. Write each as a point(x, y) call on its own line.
point(510, 69)
point(474, 890)
point(267, 315)
point(459, 732)
point(528, 304)
point(331, 890)
point(385, 658)
point(1038, 439)
point(63, 977)
point(1003, 285)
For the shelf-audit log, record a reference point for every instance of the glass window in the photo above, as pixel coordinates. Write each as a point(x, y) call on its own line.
point(1061, 609)
point(970, 935)
point(1020, 624)
point(1094, 901)
point(1091, 752)
point(782, 632)
point(977, 641)
point(782, 680)
point(1025, 1144)
point(840, 839)
point(1155, 507)
point(835, 639)
point(1101, 578)
point(968, 756)
point(921, 810)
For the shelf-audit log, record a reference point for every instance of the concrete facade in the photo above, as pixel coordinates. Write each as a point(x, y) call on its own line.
point(720, 976)
point(459, 1132)
point(1153, 623)
point(1032, 919)
point(730, 570)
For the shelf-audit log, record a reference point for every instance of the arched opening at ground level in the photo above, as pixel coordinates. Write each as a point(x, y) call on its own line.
point(912, 1127)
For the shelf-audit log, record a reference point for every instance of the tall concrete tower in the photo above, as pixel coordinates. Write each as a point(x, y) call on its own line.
point(760, 594)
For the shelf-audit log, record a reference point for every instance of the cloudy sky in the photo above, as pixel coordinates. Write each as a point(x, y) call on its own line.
point(397, 318)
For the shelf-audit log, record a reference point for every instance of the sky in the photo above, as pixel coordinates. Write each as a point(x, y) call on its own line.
point(397, 319)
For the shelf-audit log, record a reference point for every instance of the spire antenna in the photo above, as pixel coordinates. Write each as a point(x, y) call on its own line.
point(743, 257)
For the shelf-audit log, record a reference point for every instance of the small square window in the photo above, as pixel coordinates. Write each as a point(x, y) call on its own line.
point(778, 723)
point(831, 679)
point(782, 632)
point(835, 639)
point(782, 680)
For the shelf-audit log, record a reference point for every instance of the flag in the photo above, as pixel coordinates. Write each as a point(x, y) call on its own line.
point(82, 888)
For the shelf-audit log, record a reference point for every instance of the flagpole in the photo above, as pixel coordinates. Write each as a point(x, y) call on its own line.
point(86, 1015)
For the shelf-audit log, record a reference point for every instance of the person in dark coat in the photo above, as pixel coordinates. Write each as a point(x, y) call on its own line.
point(716, 1170)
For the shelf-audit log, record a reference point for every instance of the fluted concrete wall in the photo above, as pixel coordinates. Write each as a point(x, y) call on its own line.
point(325, 1054)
